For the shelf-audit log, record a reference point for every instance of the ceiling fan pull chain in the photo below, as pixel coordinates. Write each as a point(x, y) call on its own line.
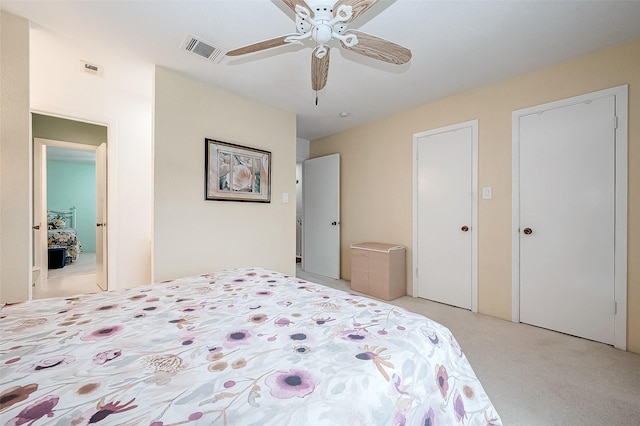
point(317, 57)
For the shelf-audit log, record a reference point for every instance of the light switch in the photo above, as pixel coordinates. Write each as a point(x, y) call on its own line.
point(486, 193)
point(285, 197)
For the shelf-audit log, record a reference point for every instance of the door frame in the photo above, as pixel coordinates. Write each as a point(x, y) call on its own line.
point(621, 183)
point(111, 192)
point(474, 205)
point(299, 212)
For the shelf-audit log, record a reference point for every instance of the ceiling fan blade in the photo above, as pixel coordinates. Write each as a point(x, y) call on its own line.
point(319, 69)
point(359, 6)
point(292, 4)
point(379, 48)
point(257, 47)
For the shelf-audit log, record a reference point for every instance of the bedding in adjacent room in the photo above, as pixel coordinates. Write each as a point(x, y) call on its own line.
point(61, 232)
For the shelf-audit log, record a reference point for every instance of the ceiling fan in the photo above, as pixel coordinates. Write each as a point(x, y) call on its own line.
point(324, 20)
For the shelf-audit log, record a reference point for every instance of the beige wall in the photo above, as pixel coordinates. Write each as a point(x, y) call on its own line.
point(15, 206)
point(191, 235)
point(377, 168)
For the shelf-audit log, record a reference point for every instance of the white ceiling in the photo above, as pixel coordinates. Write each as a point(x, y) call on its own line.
point(456, 46)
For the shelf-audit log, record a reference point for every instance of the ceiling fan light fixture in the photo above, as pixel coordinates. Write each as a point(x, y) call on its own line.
point(322, 33)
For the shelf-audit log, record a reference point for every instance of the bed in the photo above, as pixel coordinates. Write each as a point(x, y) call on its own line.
point(237, 347)
point(61, 232)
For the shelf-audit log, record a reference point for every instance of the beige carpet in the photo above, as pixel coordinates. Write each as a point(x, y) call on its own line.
point(78, 277)
point(536, 376)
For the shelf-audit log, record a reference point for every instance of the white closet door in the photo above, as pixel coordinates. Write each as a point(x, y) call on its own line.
point(567, 211)
point(444, 216)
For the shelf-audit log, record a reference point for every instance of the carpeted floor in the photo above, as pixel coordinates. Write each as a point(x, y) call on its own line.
point(536, 376)
point(84, 264)
point(78, 277)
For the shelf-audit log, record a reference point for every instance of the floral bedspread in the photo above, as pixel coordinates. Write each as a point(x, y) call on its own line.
point(238, 347)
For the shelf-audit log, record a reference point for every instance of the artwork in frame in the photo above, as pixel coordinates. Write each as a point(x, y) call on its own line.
point(236, 173)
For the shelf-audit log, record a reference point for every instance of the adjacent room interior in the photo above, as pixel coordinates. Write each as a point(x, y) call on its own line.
point(66, 189)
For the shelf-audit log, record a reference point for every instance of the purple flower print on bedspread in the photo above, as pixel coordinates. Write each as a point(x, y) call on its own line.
point(289, 384)
point(34, 412)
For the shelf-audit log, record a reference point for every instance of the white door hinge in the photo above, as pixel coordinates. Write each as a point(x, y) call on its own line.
point(615, 308)
point(615, 121)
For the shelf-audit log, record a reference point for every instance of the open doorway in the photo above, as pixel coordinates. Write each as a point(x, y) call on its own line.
point(299, 228)
point(69, 208)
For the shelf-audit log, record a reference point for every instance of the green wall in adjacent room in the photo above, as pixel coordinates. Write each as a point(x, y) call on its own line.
point(62, 129)
point(74, 184)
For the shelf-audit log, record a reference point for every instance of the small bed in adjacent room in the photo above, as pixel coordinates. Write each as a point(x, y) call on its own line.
point(237, 347)
point(61, 233)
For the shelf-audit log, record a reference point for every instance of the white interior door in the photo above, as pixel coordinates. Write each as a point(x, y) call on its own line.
point(444, 217)
point(101, 216)
point(321, 210)
point(567, 219)
point(40, 259)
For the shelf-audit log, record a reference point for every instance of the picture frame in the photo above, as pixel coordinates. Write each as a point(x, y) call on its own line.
point(236, 173)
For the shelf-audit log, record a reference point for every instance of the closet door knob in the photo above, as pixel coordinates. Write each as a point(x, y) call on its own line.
point(464, 228)
point(527, 231)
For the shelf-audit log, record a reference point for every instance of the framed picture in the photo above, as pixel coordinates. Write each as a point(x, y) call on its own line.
point(236, 173)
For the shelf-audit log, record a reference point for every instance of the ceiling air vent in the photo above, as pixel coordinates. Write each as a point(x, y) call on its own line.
point(202, 48)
